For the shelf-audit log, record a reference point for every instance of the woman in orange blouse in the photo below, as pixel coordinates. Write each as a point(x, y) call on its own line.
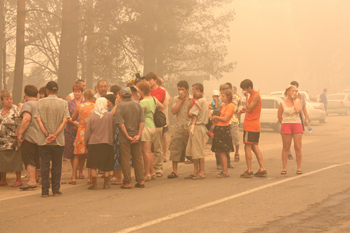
point(222, 142)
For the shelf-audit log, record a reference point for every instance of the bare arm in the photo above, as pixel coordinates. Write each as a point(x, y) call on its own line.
point(250, 106)
point(76, 113)
point(24, 125)
point(306, 116)
point(279, 113)
point(41, 126)
point(223, 118)
point(52, 137)
point(160, 106)
point(177, 107)
point(123, 129)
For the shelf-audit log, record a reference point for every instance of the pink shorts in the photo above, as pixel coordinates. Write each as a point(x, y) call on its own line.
point(291, 128)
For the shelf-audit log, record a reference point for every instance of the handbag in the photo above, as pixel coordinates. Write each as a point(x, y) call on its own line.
point(159, 117)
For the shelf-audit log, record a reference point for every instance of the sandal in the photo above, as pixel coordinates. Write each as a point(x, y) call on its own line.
point(222, 175)
point(153, 176)
point(116, 183)
point(73, 182)
point(198, 177)
point(17, 184)
point(283, 172)
point(63, 182)
point(188, 162)
point(172, 175)
point(125, 187)
point(89, 182)
point(299, 172)
point(81, 176)
point(190, 177)
point(236, 158)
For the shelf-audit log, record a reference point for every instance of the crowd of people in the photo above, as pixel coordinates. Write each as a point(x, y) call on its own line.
point(114, 131)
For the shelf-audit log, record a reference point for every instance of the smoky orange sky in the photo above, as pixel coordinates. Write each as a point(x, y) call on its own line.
point(278, 41)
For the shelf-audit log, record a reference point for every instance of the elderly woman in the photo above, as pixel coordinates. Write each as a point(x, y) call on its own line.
point(291, 127)
point(10, 154)
point(83, 112)
point(149, 105)
point(99, 138)
point(70, 132)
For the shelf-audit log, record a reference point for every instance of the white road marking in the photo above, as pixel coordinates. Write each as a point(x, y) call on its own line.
point(178, 214)
point(36, 191)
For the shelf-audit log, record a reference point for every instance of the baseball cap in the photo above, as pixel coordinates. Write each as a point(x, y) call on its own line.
point(216, 92)
point(52, 86)
point(125, 91)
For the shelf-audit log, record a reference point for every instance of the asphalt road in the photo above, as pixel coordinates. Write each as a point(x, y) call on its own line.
point(317, 201)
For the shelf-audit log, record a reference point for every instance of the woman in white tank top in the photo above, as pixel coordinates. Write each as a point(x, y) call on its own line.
point(291, 127)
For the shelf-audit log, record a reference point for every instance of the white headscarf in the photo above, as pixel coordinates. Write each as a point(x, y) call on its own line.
point(101, 106)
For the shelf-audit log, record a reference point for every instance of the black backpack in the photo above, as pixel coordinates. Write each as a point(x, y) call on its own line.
point(159, 117)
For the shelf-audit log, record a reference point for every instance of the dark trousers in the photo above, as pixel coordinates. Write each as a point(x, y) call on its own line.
point(54, 154)
point(126, 150)
point(218, 159)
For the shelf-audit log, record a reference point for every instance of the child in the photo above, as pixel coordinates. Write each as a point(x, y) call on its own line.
point(196, 97)
point(216, 103)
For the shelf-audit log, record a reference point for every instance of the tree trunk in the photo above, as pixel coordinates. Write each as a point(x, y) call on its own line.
point(74, 41)
point(19, 64)
point(2, 39)
point(90, 45)
point(64, 83)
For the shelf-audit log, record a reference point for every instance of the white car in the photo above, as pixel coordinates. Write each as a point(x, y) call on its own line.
point(314, 110)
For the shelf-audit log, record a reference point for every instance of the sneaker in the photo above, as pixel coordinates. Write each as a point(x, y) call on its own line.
point(290, 157)
point(58, 193)
point(45, 195)
point(247, 174)
point(261, 173)
point(230, 166)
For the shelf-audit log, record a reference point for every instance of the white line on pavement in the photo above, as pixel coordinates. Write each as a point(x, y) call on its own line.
point(37, 191)
point(178, 214)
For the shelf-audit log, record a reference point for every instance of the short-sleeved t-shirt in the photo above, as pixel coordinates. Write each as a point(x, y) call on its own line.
point(31, 133)
point(203, 115)
point(159, 93)
point(150, 107)
point(228, 110)
point(130, 113)
point(213, 105)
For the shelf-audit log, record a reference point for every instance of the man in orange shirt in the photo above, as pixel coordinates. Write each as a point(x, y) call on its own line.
point(251, 129)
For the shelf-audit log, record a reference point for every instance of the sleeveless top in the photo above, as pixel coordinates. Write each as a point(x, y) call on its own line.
point(252, 119)
point(289, 114)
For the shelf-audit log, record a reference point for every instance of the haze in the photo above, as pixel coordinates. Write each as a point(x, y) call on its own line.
point(275, 42)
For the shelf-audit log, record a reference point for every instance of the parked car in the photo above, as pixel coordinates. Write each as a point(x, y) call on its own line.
point(268, 116)
point(315, 110)
point(339, 103)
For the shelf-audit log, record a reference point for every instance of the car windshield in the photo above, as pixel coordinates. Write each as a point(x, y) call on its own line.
point(336, 97)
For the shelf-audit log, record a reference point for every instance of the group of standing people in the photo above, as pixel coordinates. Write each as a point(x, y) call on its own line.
point(115, 131)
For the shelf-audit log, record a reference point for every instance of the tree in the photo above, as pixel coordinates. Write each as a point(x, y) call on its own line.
point(68, 49)
point(2, 39)
point(20, 46)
